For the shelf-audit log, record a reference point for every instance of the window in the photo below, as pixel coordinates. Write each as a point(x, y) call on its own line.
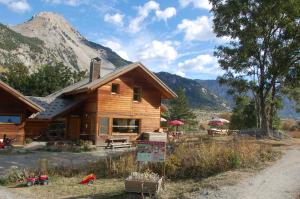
point(115, 88)
point(11, 119)
point(126, 125)
point(137, 93)
point(104, 122)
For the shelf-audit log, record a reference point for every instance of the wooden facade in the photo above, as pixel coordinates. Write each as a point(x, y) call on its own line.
point(13, 104)
point(104, 104)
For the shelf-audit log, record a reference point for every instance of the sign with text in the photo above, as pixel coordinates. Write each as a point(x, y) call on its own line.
point(151, 151)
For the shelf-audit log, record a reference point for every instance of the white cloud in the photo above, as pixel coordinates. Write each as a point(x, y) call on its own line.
point(165, 14)
point(16, 5)
point(67, 2)
point(136, 24)
point(180, 73)
point(204, 4)
point(203, 63)
point(116, 19)
point(199, 29)
point(143, 12)
point(158, 50)
point(115, 46)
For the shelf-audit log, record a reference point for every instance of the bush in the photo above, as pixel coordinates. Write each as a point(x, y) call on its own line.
point(289, 125)
point(75, 146)
point(28, 140)
point(207, 159)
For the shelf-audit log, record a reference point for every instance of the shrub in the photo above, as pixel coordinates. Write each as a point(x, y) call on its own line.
point(193, 161)
point(28, 140)
point(289, 125)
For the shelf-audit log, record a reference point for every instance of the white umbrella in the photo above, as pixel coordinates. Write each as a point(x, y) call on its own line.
point(163, 119)
point(219, 120)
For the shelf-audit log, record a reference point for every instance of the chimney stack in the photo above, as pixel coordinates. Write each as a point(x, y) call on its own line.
point(95, 68)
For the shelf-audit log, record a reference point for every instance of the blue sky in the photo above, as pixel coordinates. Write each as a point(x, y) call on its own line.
point(174, 36)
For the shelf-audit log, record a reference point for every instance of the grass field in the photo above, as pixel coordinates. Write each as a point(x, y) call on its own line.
point(198, 162)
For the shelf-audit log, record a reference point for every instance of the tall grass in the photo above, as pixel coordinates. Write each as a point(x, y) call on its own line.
point(197, 161)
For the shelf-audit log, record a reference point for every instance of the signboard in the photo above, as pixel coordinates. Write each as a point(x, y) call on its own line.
point(151, 151)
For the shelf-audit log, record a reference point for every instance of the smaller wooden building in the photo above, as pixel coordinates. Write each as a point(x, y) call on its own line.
point(15, 109)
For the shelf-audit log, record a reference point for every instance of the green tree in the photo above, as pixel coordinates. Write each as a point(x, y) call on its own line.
point(179, 109)
point(243, 115)
point(263, 56)
point(44, 81)
point(17, 76)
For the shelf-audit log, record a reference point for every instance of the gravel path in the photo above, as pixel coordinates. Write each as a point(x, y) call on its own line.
point(7, 194)
point(30, 160)
point(280, 181)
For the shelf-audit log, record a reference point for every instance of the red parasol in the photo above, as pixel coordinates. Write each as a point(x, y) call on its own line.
point(176, 123)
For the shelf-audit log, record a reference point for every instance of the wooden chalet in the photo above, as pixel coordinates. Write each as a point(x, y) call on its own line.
point(112, 102)
point(15, 109)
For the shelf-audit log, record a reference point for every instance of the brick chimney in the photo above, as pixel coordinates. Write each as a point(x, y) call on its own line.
point(95, 67)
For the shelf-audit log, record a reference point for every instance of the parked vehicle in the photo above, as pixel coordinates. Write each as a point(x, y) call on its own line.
point(41, 180)
point(6, 142)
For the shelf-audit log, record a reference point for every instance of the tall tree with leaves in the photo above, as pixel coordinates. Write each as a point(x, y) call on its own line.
point(263, 56)
point(46, 80)
point(179, 109)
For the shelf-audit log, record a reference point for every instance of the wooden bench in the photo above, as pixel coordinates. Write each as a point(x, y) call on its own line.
point(113, 143)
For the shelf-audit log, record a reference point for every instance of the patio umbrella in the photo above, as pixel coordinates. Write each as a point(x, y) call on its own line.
point(163, 119)
point(176, 123)
point(218, 122)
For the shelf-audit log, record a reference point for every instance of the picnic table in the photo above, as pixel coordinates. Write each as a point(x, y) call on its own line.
point(113, 143)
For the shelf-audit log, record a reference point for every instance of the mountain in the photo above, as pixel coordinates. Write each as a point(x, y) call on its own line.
point(288, 110)
point(48, 37)
point(197, 95)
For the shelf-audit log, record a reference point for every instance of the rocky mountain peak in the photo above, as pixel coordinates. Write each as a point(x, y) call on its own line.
point(54, 40)
point(46, 25)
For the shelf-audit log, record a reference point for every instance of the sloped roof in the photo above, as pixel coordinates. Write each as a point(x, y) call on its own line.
point(57, 103)
point(106, 68)
point(53, 106)
point(29, 103)
point(116, 73)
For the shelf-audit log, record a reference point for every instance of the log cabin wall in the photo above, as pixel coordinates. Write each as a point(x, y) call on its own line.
point(35, 128)
point(121, 104)
point(10, 106)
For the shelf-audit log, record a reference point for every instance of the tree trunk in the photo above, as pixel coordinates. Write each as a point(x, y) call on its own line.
point(272, 106)
point(257, 112)
point(264, 118)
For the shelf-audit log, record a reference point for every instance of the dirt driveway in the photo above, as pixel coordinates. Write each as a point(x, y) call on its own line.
point(280, 181)
point(30, 160)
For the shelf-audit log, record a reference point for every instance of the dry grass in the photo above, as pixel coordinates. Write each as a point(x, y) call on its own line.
point(207, 159)
point(194, 158)
point(294, 134)
point(63, 187)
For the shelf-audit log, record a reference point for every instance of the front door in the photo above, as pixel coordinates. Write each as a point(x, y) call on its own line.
point(74, 128)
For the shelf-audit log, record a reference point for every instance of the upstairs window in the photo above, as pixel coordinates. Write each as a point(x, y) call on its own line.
point(137, 94)
point(10, 119)
point(115, 88)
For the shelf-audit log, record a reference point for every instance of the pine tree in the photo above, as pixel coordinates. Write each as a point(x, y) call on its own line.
point(180, 110)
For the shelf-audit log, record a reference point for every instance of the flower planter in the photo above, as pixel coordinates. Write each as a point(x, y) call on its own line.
point(137, 186)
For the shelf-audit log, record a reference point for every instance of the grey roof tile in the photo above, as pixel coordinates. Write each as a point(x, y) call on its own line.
point(53, 106)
